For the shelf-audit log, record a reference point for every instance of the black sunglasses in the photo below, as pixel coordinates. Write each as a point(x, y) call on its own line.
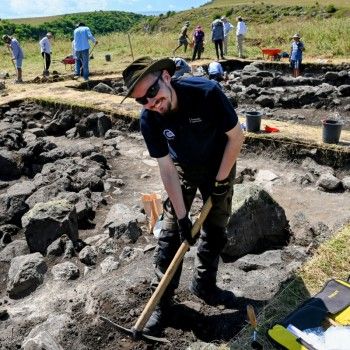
point(151, 92)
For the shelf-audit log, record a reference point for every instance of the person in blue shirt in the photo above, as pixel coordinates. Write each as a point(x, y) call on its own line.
point(215, 71)
point(17, 55)
point(227, 28)
point(192, 130)
point(296, 54)
point(82, 35)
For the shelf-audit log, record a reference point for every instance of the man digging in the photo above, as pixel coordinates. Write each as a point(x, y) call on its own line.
point(192, 130)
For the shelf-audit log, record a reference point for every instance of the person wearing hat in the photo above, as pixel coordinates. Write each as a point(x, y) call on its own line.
point(227, 28)
point(46, 51)
point(198, 40)
point(182, 67)
point(192, 130)
point(17, 55)
point(296, 54)
point(241, 31)
point(82, 36)
point(183, 37)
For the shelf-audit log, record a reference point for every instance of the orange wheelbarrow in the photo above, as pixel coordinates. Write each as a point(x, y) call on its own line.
point(272, 54)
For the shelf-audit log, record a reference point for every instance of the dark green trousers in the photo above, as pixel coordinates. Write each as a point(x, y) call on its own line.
point(212, 237)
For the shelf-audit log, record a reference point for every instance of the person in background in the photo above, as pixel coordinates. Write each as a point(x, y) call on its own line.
point(227, 28)
point(183, 38)
point(74, 55)
point(82, 35)
point(217, 36)
point(241, 31)
point(45, 47)
point(191, 129)
point(17, 55)
point(296, 54)
point(182, 67)
point(215, 71)
point(198, 40)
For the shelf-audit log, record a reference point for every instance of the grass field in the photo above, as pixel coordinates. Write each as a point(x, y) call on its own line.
point(326, 36)
point(337, 3)
point(331, 260)
point(323, 39)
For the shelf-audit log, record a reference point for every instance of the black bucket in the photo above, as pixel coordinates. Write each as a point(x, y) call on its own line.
point(331, 130)
point(253, 121)
point(108, 57)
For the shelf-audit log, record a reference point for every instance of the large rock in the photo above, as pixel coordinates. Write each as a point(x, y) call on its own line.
point(26, 273)
point(104, 88)
point(43, 340)
point(12, 208)
point(10, 165)
point(65, 271)
point(45, 222)
point(270, 258)
point(13, 249)
point(328, 182)
point(55, 326)
point(121, 214)
point(257, 222)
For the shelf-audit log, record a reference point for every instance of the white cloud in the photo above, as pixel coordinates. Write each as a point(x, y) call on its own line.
point(25, 8)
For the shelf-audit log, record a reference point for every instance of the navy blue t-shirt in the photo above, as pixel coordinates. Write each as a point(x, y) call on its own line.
point(194, 135)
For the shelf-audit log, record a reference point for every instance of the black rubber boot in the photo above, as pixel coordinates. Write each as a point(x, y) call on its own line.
point(214, 296)
point(156, 322)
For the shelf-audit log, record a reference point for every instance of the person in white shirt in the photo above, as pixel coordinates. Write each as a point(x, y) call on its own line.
point(240, 33)
point(46, 51)
point(227, 28)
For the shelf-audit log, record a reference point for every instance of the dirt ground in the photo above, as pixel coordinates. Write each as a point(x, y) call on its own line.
point(190, 320)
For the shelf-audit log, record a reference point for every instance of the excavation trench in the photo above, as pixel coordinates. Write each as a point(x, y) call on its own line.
point(49, 138)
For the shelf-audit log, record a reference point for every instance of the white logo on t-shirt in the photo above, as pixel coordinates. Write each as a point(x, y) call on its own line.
point(169, 135)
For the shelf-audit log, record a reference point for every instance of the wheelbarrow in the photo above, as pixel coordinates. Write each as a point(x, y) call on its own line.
point(272, 54)
point(69, 60)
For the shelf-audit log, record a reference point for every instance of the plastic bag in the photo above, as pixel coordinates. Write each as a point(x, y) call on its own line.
point(152, 204)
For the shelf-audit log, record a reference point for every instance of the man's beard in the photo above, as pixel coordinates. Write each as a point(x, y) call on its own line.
point(167, 112)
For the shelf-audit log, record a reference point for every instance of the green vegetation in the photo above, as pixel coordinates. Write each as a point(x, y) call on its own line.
point(270, 24)
point(100, 22)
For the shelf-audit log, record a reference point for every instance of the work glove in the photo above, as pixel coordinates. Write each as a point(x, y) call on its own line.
point(185, 227)
point(220, 189)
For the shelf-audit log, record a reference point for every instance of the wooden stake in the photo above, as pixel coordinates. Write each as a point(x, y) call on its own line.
point(132, 54)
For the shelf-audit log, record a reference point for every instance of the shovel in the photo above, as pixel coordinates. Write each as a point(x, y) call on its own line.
point(136, 331)
point(91, 56)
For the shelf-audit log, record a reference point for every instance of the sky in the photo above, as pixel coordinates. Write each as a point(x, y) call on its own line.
point(42, 8)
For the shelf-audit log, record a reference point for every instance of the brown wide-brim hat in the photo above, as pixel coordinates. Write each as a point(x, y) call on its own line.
point(143, 66)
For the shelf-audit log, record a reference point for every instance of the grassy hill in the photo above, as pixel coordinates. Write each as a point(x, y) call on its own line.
point(323, 25)
point(100, 22)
